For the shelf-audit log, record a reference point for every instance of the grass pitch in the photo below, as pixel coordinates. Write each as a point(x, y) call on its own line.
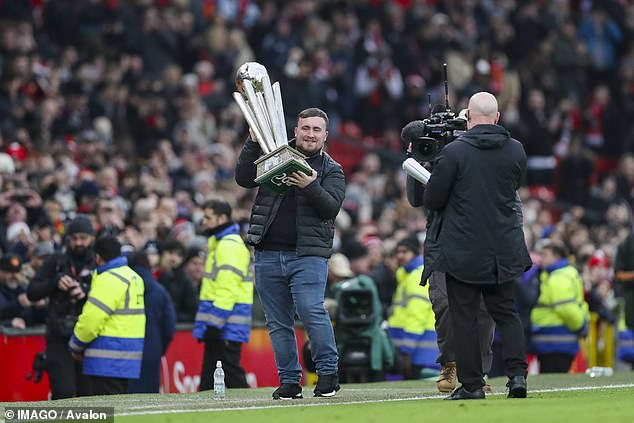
point(552, 398)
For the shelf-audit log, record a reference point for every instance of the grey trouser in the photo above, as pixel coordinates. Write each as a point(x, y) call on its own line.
point(444, 331)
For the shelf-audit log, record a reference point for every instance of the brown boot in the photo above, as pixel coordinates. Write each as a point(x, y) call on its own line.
point(447, 380)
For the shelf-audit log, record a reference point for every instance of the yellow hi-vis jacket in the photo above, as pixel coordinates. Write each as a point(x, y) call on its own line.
point(411, 323)
point(226, 293)
point(561, 311)
point(111, 327)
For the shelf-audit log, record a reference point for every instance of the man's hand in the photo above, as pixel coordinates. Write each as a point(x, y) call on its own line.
point(66, 282)
point(23, 300)
point(77, 356)
point(77, 292)
point(40, 303)
point(18, 323)
point(252, 136)
point(301, 180)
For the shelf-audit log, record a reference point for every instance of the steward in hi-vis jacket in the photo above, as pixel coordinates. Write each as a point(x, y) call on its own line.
point(223, 320)
point(411, 323)
point(561, 315)
point(110, 331)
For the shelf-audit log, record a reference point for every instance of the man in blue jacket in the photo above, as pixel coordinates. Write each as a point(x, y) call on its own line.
point(160, 325)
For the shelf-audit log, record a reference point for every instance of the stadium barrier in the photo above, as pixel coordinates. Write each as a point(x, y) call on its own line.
point(180, 367)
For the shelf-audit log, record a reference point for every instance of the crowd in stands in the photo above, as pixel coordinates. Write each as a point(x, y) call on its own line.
point(122, 110)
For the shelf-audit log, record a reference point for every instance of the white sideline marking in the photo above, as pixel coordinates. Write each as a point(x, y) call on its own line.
point(147, 410)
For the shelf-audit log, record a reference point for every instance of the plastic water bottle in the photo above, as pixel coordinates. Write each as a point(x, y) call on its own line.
point(599, 371)
point(219, 381)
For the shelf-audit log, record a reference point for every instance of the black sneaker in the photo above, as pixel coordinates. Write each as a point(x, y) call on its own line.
point(288, 391)
point(327, 386)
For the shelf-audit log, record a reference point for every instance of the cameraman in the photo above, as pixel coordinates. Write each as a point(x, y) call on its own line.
point(65, 278)
point(446, 383)
point(479, 240)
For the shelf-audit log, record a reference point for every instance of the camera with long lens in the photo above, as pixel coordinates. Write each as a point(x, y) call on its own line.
point(429, 136)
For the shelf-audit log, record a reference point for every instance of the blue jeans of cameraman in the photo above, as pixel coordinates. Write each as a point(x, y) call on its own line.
point(288, 284)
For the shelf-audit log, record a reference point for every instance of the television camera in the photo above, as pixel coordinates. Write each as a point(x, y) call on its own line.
point(429, 136)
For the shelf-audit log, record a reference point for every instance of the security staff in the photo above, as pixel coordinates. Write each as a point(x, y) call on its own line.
point(110, 331)
point(561, 314)
point(223, 321)
point(411, 324)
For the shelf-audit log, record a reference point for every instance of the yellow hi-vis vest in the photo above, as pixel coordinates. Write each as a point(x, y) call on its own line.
point(111, 327)
point(226, 293)
point(561, 311)
point(412, 320)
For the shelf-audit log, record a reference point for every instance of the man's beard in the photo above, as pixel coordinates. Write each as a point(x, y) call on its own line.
point(80, 252)
point(308, 153)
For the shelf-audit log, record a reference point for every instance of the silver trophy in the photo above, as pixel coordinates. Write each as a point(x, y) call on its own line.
point(261, 106)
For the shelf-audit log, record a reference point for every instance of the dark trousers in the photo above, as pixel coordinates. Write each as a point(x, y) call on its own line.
point(556, 362)
point(65, 375)
point(101, 385)
point(464, 300)
point(229, 353)
point(444, 328)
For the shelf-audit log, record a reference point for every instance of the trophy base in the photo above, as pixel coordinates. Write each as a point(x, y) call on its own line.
point(274, 168)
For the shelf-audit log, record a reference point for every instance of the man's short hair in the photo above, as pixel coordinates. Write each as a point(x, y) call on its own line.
point(108, 247)
point(313, 112)
point(172, 245)
point(558, 248)
point(220, 207)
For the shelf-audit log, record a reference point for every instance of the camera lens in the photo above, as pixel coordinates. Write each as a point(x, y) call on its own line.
point(425, 149)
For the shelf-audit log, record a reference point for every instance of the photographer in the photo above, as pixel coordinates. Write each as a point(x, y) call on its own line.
point(64, 278)
point(479, 240)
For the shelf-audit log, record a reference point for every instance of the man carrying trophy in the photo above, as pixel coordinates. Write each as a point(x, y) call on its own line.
point(292, 229)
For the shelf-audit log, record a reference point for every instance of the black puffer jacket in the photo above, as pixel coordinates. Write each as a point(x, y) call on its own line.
point(476, 234)
point(317, 204)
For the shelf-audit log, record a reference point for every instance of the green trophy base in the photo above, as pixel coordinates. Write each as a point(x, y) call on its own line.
point(274, 168)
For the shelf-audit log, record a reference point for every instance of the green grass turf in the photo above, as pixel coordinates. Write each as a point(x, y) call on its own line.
point(591, 400)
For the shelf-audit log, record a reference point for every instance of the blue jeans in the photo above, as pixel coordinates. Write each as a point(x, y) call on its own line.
point(288, 284)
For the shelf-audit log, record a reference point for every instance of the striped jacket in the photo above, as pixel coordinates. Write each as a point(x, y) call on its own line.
point(110, 330)
point(226, 293)
point(561, 312)
point(411, 323)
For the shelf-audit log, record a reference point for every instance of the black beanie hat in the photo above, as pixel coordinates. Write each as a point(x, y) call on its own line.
point(80, 225)
point(410, 243)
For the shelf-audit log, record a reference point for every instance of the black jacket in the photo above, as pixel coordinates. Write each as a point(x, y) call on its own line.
point(181, 291)
point(62, 309)
point(317, 205)
point(415, 193)
point(477, 232)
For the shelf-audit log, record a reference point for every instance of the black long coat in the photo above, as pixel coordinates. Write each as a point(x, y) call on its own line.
point(476, 234)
